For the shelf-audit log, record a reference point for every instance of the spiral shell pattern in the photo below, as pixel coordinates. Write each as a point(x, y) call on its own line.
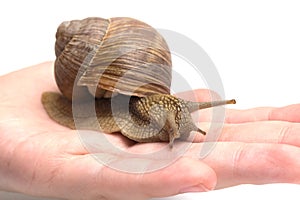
point(102, 56)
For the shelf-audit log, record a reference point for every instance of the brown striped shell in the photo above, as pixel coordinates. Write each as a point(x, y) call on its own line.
point(102, 56)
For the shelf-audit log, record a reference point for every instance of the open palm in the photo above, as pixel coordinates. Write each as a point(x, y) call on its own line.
point(40, 157)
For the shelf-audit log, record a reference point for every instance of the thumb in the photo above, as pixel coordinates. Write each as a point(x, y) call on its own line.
point(185, 175)
point(85, 177)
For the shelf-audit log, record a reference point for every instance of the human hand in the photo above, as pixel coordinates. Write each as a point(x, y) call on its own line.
point(40, 157)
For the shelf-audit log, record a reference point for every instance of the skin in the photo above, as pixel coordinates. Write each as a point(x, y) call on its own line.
point(40, 157)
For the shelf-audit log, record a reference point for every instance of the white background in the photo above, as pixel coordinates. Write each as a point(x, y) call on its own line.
point(255, 46)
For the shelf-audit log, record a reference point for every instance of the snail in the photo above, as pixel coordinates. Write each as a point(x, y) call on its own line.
point(117, 74)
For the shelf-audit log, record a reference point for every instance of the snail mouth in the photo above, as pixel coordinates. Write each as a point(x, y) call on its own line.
point(172, 136)
point(172, 128)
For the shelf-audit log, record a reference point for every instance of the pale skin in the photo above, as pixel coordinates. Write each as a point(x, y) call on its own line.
point(40, 157)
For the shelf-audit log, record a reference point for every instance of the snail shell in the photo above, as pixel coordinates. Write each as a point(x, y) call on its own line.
point(102, 56)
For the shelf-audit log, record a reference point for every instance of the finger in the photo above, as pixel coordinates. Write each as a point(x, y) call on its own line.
point(235, 116)
point(199, 95)
point(252, 163)
point(256, 132)
point(289, 113)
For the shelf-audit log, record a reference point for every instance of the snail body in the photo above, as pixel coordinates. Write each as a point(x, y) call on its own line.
point(117, 72)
